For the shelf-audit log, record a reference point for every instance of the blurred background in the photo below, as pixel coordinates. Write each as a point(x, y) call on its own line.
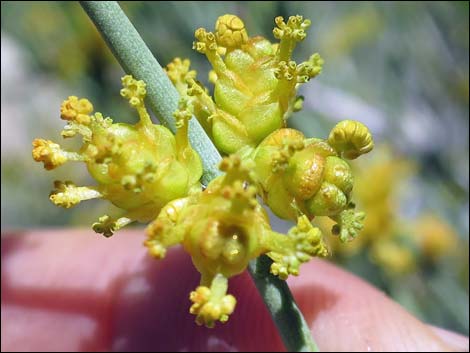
point(401, 68)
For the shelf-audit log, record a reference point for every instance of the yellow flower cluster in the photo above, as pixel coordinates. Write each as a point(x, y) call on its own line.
point(223, 228)
point(139, 168)
point(255, 92)
point(154, 176)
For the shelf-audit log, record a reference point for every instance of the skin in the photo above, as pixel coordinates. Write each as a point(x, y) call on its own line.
point(73, 290)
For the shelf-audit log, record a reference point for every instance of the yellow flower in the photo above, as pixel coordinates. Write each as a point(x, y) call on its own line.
point(308, 176)
point(223, 228)
point(379, 199)
point(49, 153)
point(255, 80)
point(139, 168)
point(394, 258)
point(74, 109)
point(230, 32)
point(434, 237)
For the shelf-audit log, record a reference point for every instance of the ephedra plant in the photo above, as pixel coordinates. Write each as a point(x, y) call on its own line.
point(166, 175)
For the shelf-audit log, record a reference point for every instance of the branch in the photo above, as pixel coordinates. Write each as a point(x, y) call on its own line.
point(137, 59)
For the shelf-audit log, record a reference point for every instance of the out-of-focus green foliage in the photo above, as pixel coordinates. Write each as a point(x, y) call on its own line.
point(401, 68)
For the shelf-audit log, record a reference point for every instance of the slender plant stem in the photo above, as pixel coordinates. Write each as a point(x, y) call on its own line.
point(287, 317)
point(136, 59)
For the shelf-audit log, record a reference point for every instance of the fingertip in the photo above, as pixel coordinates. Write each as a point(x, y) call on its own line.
point(347, 314)
point(457, 342)
point(157, 317)
point(108, 294)
point(61, 281)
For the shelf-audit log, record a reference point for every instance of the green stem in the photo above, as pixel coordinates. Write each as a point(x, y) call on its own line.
point(287, 317)
point(136, 59)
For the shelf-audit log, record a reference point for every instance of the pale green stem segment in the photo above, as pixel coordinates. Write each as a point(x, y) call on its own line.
point(137, 60)
point(292, 327)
